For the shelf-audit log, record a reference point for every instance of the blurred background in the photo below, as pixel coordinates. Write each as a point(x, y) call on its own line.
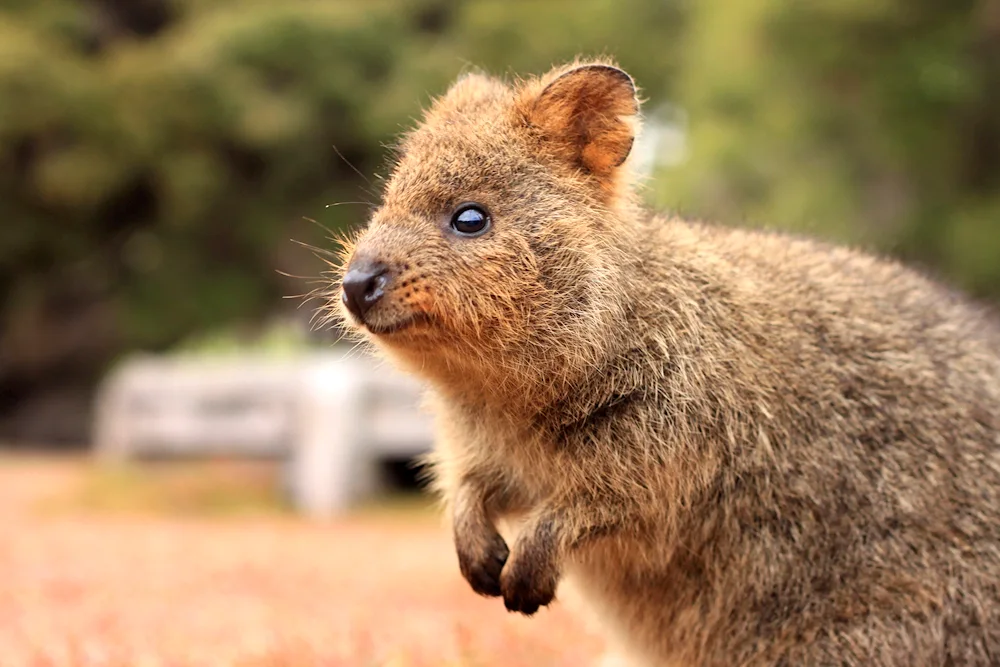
point(165, 164)
point(156, 156)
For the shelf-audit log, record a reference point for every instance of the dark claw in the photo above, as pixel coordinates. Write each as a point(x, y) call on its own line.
point(521, 606)
point(526, 596)
point(483, 572)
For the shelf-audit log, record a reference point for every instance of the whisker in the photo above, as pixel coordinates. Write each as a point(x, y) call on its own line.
point(292, 275)
point(344, 203)
point(317, 249)
point(347, 162)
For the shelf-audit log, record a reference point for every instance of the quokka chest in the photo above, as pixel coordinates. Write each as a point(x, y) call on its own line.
point(527, 463)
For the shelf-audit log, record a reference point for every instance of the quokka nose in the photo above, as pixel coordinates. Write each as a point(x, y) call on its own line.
point(363, 286)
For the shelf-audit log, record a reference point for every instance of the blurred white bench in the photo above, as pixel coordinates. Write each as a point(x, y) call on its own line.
point(332, 417)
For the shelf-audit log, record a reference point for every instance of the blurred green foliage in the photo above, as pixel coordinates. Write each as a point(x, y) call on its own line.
point(870, 121)
point(281, 339)
point(157, 155)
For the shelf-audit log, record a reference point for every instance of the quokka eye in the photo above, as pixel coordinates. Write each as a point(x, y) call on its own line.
point(470, 219)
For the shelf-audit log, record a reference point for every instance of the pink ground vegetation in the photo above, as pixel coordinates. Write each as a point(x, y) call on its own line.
point(85, 588)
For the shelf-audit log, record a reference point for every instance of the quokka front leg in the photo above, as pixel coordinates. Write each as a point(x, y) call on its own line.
point(553, 532)
point(527, 574)
point(532, 572)
point(482, 552)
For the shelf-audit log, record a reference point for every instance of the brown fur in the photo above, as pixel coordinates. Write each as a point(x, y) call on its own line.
point(743, 448)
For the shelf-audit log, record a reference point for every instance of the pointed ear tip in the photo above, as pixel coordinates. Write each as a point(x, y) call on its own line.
point(608, 68)
point(601, 69)
point(600, 66)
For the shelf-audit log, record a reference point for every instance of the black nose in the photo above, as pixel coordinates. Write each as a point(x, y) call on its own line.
point(363, 286)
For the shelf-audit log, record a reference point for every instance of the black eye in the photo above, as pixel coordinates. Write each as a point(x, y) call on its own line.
point(470, 220)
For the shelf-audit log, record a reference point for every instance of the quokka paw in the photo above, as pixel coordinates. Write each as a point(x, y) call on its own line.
point(482, 562)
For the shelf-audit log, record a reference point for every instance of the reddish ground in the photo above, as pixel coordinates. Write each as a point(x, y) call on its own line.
point(90, 587)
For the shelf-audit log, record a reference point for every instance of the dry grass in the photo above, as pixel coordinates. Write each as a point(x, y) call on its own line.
point(197, 565)
point(171, 488)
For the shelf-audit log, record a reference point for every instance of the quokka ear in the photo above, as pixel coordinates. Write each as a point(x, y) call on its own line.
point(587, 113)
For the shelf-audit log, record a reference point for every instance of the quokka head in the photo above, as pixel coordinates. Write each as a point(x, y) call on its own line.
point(499, 237)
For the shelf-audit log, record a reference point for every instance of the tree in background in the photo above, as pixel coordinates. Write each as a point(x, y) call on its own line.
point(870, 121)
point(156, 156)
